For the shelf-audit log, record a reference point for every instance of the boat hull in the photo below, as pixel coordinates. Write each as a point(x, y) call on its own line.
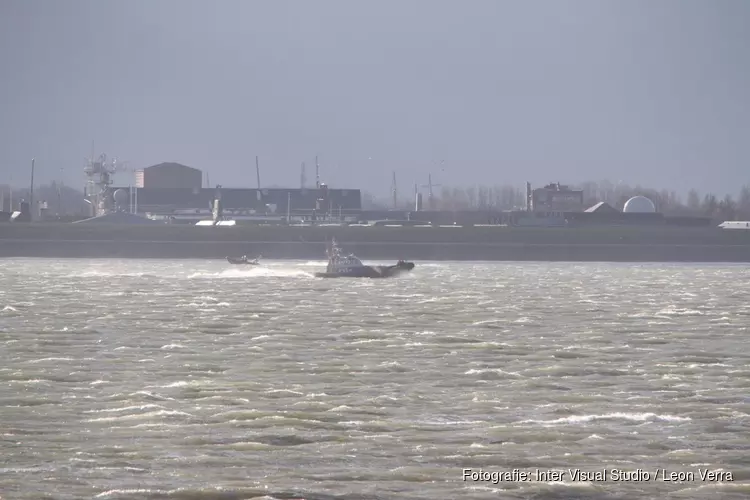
point(240, 262)
point(371, 271)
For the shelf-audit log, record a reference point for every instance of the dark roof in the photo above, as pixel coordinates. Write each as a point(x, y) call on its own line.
point(602, 207)
point(172, 165)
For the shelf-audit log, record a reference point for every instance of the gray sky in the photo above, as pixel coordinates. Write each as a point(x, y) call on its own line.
point(644, 91)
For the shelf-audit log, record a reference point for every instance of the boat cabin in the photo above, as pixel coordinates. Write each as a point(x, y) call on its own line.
point(347, 261)
point(343, 263)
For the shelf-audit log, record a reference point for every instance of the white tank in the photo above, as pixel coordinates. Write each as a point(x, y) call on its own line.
point(639, 205)
point(121, 197)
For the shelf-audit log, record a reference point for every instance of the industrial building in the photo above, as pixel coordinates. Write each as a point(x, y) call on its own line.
point(175, 191)
point(554, 198)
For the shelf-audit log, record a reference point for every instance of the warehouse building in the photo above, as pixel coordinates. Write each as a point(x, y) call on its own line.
point(169, 176)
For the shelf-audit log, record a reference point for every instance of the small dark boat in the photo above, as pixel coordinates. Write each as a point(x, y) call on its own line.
point(244, 261)
point(349, 266)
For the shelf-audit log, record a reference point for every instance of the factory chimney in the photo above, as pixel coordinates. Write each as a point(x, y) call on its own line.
point(529, 197)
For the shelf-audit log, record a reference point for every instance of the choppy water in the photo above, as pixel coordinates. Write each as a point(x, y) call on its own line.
point(194, 380)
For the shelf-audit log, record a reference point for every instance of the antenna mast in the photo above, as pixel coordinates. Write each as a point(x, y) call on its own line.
point(394, 192)
point(257, 171)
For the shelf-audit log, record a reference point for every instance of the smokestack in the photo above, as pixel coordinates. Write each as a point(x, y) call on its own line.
point(217, 209)
point(529, 197)
point(31, 193)
point(317, 174)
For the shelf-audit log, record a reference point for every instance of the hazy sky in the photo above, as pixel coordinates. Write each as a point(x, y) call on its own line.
point(644, 91)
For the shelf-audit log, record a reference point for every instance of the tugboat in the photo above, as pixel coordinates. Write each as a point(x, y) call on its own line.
point(244, 260)
point(349, 266)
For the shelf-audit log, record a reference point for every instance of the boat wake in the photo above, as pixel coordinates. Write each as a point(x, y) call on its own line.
point(111, 274)
point(314, 263)
point(254, 272)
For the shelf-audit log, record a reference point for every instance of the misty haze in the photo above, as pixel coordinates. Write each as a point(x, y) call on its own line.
point(476, 93)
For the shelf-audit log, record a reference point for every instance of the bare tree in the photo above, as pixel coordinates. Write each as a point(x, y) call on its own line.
point(710, 205)
point(471, 197)
point(727, 208)
point(743, 203)
point(694, 200)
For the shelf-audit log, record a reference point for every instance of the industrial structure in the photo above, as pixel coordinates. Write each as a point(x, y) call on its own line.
point(175, 193)
point(554, 198)
point(99, 176)
point(553, 205)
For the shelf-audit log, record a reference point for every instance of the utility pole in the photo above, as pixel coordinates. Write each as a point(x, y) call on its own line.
point(31, 193)
point(257, 171)
point(394, 191)
point(59, 195)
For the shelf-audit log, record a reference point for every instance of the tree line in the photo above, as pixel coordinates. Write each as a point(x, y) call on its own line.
point(60, 199)
point(506, 197)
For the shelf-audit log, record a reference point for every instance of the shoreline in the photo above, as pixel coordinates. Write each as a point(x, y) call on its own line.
point(382, 243)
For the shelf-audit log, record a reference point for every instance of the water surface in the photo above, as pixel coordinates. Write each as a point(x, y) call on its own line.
point(199, 380)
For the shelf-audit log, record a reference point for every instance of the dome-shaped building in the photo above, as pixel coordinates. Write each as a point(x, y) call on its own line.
point(639, 205)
